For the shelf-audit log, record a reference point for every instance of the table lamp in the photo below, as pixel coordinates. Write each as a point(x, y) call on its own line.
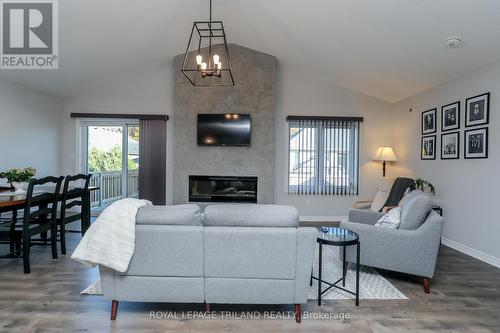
point(385, 154)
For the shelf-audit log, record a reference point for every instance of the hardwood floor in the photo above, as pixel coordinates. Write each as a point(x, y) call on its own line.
point(465, 297)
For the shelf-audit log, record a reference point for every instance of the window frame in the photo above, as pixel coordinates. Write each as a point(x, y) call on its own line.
point(318, 186)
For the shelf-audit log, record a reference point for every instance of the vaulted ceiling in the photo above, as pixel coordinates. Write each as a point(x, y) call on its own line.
point(388, 49)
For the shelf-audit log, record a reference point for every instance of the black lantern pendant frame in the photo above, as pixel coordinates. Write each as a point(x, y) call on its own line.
point(206, 30)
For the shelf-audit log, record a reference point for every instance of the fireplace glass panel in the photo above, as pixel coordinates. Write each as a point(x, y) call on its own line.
point(222, 189)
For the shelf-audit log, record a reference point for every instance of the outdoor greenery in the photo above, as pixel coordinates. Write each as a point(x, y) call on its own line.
point(105, 161)
point(133, 133)
point(18, 175)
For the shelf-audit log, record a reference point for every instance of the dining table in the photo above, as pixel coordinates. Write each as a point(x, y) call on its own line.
point(12, 201)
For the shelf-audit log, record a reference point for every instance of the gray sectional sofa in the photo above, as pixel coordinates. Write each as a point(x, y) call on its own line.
point(235, 254)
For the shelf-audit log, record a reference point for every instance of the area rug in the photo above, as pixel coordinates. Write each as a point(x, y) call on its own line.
point(93, 289)
point(372, 285)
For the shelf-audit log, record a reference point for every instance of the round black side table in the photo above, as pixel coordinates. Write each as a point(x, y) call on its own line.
point(337, 237)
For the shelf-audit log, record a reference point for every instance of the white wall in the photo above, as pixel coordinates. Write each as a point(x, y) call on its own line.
point(139, 91)
point(466, 189)
point(300, 94)
point(30, 129)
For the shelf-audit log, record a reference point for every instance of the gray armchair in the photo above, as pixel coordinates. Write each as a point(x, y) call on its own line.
point(389, 194)
point(412, 249)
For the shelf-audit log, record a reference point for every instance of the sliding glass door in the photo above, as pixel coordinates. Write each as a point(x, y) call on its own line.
point(111, 154)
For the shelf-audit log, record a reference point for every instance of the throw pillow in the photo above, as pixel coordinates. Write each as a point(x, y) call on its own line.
point(415, 207)
point(390, 220)
point(404, 198)
point(408, 194)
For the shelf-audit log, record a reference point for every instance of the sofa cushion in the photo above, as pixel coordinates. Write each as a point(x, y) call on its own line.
point(250, 253)
point(167, 250)
point(251, 215)
point(189, 214)
point(415, 207)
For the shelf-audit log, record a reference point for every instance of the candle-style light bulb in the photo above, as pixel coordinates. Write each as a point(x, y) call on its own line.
point(199, 59)
point(216, 59)
point(203, 65)
point(219, 65)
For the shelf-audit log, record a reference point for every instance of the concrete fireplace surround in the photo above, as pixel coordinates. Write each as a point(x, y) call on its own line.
point(254, 94)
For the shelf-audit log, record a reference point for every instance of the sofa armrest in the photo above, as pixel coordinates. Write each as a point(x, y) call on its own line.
point(358, 203)
point(108, 284)
point(306, 244)
point(365, 216)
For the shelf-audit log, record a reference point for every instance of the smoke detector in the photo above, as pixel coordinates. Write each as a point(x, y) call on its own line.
point(452, 42)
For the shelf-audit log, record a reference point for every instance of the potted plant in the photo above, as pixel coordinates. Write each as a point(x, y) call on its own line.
point(19, 178)
point(423, 185)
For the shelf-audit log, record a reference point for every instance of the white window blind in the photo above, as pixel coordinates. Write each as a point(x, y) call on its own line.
point(323, 155)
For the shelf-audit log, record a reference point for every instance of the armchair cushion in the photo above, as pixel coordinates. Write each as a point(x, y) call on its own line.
point(379, 200)
point(383, 189)
point(415, 207)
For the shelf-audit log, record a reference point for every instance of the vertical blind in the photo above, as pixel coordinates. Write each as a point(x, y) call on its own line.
point(323, 155)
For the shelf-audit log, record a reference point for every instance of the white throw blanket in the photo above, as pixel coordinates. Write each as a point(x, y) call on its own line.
point(110, 240)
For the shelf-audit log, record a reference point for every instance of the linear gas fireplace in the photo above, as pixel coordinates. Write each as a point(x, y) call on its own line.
point(222, 189)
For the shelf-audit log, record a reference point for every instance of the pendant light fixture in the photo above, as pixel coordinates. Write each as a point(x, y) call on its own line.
point(206, 61)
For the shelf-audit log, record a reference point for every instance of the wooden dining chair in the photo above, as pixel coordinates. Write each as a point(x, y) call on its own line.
point(8, 233)
point(11, 235)
point(74, 195)
point(40, 212)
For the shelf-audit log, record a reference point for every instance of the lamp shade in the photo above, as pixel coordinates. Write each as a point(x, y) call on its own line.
point(385, 154)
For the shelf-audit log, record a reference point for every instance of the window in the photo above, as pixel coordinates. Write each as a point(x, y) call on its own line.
point(323, 155)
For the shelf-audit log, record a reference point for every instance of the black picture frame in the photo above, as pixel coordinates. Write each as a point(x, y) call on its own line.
point(443, 141)
point(425, 121)
point(467, 134)
point(444, 117)
point(422, 149)
point(485, 119)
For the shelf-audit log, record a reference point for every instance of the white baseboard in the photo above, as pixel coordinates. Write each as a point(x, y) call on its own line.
point(489, 259)
point(322, 218)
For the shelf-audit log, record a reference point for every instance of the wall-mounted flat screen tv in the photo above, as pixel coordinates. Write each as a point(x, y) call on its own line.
point(224, 129)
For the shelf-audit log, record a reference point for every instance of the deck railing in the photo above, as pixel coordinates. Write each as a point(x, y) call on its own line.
point(111, 187)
